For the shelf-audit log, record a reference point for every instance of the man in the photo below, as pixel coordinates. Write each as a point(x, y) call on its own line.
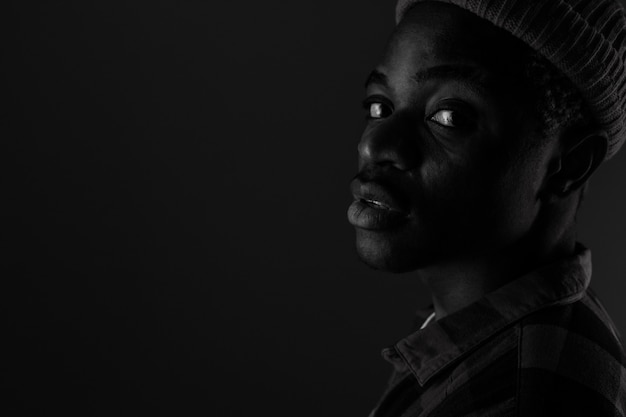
point(485, 121)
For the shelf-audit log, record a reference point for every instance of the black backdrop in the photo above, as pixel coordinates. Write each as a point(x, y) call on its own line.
point(174, 194)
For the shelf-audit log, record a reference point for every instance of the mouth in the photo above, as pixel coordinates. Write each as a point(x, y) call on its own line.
point(375, 207)
point(375, 204)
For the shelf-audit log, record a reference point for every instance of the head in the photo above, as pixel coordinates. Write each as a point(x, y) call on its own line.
point(473, 145)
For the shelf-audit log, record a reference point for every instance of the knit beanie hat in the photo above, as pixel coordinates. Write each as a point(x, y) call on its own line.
point(585, 39)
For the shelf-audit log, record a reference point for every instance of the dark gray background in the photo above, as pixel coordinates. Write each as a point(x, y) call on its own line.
point(174, 238)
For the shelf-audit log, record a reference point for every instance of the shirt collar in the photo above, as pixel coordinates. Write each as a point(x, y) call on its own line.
point(428, 351)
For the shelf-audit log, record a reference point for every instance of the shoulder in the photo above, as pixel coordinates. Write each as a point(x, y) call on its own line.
point(571, 361)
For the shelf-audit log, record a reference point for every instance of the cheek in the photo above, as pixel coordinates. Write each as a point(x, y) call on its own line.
point(448, 187)
point(514, 198)
point(475, 202)
point(448, 207)
point(520, 190)
point(431, 172)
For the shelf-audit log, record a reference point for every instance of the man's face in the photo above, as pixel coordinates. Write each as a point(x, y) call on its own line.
point(443, 171)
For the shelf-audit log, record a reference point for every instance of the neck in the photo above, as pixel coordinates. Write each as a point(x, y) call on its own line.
point(457, 283)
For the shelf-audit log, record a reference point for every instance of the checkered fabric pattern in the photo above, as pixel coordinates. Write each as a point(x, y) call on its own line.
point(542, 345)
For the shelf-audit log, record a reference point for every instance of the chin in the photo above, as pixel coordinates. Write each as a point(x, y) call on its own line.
point(388, 252)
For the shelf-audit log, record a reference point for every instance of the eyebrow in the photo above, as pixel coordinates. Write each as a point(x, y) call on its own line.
point(466, 73)
point(376, 77)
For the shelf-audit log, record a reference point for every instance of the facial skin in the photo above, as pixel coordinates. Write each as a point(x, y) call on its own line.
point(450, 143)
point(447, 180)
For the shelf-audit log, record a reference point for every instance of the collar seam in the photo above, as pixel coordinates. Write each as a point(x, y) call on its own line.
point(429, 371)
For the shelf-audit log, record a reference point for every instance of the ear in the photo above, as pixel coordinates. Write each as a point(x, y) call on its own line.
point(581, 154)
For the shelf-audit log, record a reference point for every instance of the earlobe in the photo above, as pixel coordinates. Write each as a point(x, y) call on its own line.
point(578, 160)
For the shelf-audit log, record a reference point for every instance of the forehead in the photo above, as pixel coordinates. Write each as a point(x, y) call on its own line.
point(434, 33)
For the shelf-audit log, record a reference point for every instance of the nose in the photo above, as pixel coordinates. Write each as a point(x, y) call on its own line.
point(389, 142)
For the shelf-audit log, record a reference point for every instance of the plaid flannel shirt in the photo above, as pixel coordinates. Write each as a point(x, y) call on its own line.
point(542, 345)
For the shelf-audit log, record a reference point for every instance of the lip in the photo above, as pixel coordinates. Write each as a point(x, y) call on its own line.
point(375, 207)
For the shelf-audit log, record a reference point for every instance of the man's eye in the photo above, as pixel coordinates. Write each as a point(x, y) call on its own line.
point(447, 118)
point(377, 110)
